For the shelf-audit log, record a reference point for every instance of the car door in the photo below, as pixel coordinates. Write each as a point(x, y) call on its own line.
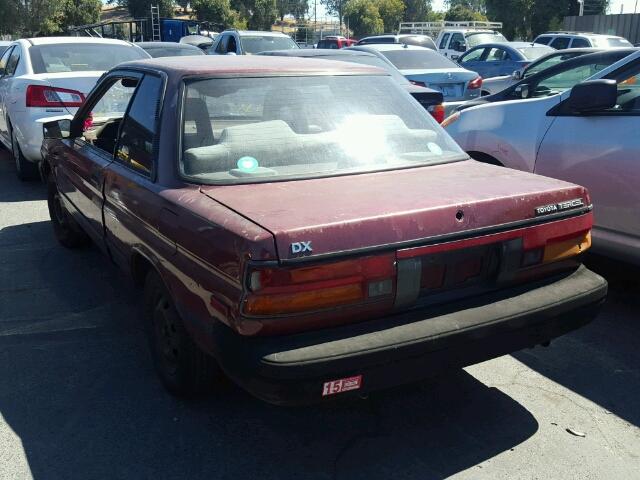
point(602, 152)
point(444, 42)
point(495, 62)
point(81, 159)
point(5, 80)
point(132, 204)
point(474, 60)
point(457, 46)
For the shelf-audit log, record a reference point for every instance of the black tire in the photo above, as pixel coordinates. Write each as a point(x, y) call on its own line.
point(25, 169)
point(66, 230)
point(185, 370)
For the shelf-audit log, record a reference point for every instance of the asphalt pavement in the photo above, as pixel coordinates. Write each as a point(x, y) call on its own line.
point(79, 398)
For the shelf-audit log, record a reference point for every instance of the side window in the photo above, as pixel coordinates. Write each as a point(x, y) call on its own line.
point(4, 59)
point(580, 43)
point(231, 45)
point(456, 39)
point(496, 55)
point(543, 40)
point(560, 43)
point(102, 123)
point(564, 80)
point(473, 55)
point(629, 91)
point(12, 62)
point(220, 47)
point(138, 133)
point(445, 39)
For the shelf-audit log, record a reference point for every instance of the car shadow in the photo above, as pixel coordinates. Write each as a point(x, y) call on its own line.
point(78, 390)
point(10, 191)
point(600, 361)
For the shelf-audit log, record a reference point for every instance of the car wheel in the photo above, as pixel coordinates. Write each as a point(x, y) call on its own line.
point(25, 169)
point(183, 367)
point(65, 228)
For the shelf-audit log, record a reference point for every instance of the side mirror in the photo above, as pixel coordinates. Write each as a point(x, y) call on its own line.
point(517, 75)
point(522, 91)
point(593, 96)
point(60, 128)
point(460, 47)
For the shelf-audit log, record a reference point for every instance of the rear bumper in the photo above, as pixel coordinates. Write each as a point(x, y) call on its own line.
point(411, 346)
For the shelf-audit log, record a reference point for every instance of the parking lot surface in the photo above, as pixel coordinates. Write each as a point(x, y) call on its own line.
point(79, 398)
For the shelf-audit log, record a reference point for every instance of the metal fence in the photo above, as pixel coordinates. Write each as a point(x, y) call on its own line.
point(624, 25)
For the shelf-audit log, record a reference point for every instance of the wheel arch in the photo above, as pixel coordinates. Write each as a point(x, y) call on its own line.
point(485, 158)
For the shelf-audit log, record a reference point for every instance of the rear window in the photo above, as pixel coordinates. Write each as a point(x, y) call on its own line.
point(474, 39)
point(81, 57)
point(407, 59)
point(245, 130)
point(328, 44)
point(173, 52)
point(533, 53)
point(608, 42)
point(267, 43)
point(543, 40)
point(377, 40)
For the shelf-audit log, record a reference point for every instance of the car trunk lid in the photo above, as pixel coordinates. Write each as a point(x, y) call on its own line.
point(391, 210)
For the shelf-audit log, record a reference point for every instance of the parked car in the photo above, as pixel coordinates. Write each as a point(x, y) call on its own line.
point(169, 49)
point(556, 79)
point(335, 248)
point(587, 134)
point(3, 46)
point(46, 77)
point(429, 98)
point(407, 39)
point(249, 42)
point(563, 40)
point(495, 59)
point(336, 42)
point(203, 42)
point(497, 84)
point(426, 68)
point(453, 42)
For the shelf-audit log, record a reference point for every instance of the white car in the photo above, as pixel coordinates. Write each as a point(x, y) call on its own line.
point(564, 40)
point(48, 77)
point(587, 135)
point(453, 42)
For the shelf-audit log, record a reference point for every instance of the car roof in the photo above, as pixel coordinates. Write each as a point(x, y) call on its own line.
point(58, 40)
point(383, 47)
point(243, 65)
point(258, 32)
point(185, 46)
point(317, 52)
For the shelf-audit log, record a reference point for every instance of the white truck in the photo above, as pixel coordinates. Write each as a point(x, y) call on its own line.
point(455, 38)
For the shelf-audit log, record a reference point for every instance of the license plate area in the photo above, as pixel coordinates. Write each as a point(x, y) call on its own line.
point(449, 89)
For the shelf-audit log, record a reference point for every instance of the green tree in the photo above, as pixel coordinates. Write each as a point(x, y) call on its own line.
point(39, 17)
point(417, 10)
point(79, 12)
point(336, 8)
point(460, 13)
point(9, 17)
point(297, 8)
point(475, 5)
point(364, 17)
point(391, 12)
point(263, 14)
point(218, 12)
point(142, 8)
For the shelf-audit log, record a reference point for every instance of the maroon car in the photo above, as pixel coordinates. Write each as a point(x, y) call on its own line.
point(309, 228)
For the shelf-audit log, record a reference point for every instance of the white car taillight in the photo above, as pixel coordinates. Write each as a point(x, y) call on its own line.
point(46, 96)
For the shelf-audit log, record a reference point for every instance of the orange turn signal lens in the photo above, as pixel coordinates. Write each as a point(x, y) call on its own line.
point(567, 248)
point(304, 301)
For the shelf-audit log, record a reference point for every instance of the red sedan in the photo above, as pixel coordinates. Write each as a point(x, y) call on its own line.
point(307, 228)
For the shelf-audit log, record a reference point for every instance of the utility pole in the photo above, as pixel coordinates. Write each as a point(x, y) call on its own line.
point(581, 2)
point(315, 20)
point(635, 9)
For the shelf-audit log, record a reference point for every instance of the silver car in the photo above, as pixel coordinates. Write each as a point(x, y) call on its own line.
point(426, 68)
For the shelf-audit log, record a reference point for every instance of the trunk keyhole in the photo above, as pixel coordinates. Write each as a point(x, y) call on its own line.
point(459, 215)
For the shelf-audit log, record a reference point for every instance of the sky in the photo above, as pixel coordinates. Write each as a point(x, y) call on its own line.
point(614, 7)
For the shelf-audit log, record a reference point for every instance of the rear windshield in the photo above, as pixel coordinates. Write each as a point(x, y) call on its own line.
point(607, 42)
point(407, 59)
point(267, 43)
point(377, 40)
point(533, 53)
point(246, 130)
point(173, 52)
point(81, 57)
point(474, 39)
point(373, 61)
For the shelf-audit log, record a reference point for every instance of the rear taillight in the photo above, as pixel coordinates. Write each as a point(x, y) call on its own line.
point(279, 290)
point(556, 249)
point(46, 96)
point(437, 112)
point(417, 83)
point(475, 83)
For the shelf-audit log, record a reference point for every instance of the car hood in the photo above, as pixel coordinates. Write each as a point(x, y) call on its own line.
point(392, 209)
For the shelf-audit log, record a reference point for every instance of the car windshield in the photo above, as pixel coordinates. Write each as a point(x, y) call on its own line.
point(3, 48)
point(266, 43)
point(173, 52)
point(408, 59)
point(533, 53)
point(81, 57)
point(474, 39)
point(549, 62)
point(245, 130)
point(604, 42)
